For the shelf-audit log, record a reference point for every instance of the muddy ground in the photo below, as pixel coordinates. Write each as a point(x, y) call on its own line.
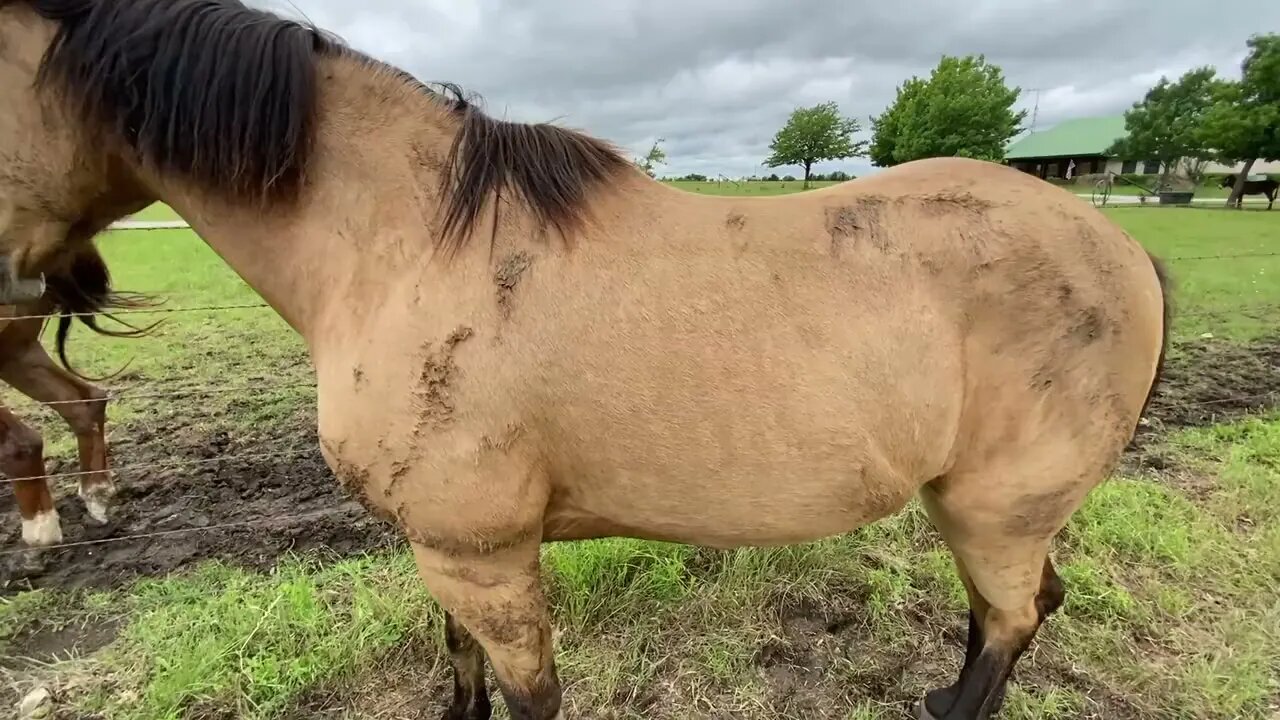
point(276, 493)
point(262, 486)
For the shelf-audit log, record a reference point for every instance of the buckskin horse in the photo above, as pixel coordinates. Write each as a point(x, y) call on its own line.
point(78, 286)
point(518, 337)
point(1266, 187)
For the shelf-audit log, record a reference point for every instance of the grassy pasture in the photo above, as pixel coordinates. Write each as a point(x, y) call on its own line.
point(1171, 574)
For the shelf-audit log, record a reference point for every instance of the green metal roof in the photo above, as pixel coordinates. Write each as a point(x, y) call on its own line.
point(1082, 136)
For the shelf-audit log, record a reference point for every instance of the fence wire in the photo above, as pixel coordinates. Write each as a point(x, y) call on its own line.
point(171, 465)
point(133, 393)
point(113, 395)
point(278, 520)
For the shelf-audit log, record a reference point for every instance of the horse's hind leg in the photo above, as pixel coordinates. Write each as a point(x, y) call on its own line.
point(495, 598)
point(22, 456)
point(84, 408)
point(999, 530)
point(470, 695)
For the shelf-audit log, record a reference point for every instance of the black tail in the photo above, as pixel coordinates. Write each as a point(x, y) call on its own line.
point(1166, 285)
point(83, 291)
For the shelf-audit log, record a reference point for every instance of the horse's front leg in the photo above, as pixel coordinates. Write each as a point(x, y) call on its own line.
point(494, 597)
point(473, 511)
point(22, 460)
point(84, 408)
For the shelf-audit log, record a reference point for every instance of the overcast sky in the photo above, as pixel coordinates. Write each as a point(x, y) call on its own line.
point(717, 78)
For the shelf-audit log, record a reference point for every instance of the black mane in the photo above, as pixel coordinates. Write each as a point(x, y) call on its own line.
point(226, 95)
point(550, 168)
point(209, 89)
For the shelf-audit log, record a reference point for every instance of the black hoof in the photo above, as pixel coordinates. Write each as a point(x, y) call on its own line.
point(480, 710)
point(937, 703)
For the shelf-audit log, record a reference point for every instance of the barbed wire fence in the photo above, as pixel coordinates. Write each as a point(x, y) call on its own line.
point(148, 392)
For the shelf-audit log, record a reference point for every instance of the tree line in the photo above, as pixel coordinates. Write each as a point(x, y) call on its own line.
point(964, 108)
point(1202, 117)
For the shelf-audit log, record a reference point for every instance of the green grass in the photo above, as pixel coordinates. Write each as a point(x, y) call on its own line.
point(157, 211)
point(1171, 608)
point(1225, 265)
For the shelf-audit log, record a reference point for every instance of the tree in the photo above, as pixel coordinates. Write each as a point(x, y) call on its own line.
point(1167, 124)
point(812, 135)
point(888, 127)
point(1244, 122)
point(655, 156)
point(963, 109)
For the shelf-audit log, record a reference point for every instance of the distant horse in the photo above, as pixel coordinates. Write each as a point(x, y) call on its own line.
point(79, 288)
point(1267, 187)
point(518, 337)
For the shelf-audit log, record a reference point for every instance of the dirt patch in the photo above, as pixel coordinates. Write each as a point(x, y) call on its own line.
point(276, 493)
point(1208, 380)
point(827, 657)
point(435, 406)
point(507, 277)
point(413, 681)
point(39, 646)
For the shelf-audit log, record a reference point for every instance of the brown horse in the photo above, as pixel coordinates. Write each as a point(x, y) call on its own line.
point(78, 287)
point(520, 338)
point(1267, 187)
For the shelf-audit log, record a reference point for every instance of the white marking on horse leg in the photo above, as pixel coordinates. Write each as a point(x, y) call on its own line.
point(42, 530)
point(97, 500)
point(559, 715)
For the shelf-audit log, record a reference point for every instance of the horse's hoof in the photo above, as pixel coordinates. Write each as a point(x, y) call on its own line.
point(479, 711)
point(922, 712)
point(29, 563)
point(97, 502)
point(97, 510)
point(43, 530)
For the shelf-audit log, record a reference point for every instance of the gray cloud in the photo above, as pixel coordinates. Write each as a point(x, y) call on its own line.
point(716, 78)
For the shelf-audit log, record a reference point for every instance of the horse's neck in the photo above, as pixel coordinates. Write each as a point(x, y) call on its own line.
point(370, 187)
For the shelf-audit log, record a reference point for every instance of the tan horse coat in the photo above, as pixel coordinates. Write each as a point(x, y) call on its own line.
point(719, 371)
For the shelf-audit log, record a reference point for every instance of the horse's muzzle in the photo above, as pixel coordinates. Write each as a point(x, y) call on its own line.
point(15, 290)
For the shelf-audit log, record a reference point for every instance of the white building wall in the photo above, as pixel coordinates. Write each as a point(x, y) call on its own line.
point(1262, 166)
point(1272, 167)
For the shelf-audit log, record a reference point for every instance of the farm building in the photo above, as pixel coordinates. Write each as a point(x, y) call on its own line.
point(1079, 147)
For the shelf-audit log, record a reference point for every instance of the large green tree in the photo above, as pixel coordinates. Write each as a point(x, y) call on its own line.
point(1166, 125)
point(1244, 123)
point(963, 109)
point(812, 135)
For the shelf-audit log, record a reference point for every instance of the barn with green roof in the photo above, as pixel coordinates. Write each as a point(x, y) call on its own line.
point(1073, 148)
point(1077, 147)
